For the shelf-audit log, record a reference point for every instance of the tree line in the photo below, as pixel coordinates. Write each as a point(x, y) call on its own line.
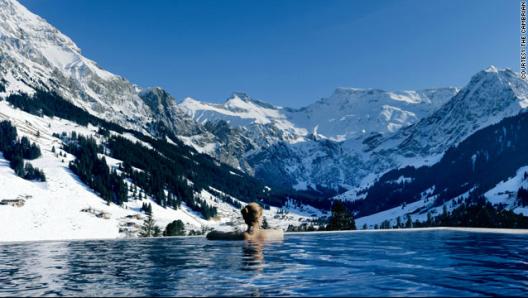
point(474, 212)
point(15, 150)
point(341, 219)
point(480, 162)
point(159, 176)
point(94, 171)
point(202, 169)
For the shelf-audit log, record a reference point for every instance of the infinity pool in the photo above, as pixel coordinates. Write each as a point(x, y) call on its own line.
point(423, 263)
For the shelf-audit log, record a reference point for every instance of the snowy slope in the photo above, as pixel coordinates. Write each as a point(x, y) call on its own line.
point(506, 191)
point(302, 147)
point(489, 163)
point(53, 210)
point(353, 136)
point(35, 55)
point(490, 96)
point(348, 113)
point(351, 112)
point(417, 211)
point(240, 110)
point(345, 140)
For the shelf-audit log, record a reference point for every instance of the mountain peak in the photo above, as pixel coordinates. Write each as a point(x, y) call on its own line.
point(493, 72)
point(491, 68)
point(358, 96)
point(349, 90)
point(189, 100)
point(491, 95)
point(494, 78)
point(241, 95)
point(37, 56)
point(20, 25)
point(242, 100)
point(158, 91)
point(30, 41)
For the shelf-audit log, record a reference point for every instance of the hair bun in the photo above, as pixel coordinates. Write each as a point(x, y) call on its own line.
point(245, 211)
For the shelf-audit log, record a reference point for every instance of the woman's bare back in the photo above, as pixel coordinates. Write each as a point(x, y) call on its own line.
point(252, 215)
point(260, 235)
point(265, 235)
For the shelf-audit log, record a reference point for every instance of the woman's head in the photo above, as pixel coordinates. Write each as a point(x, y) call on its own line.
point(252, 214)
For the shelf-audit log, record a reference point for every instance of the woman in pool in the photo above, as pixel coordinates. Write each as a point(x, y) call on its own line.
point(252, 215)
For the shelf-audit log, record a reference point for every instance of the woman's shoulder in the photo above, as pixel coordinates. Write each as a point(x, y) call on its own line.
point(272, 234)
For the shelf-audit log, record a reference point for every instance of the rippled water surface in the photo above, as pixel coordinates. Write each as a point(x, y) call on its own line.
point(397, 263)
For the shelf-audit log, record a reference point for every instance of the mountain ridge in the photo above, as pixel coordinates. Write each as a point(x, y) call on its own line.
point(343, 143)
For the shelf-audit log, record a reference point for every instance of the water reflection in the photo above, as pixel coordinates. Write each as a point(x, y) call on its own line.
point(253, 256)
point(361, 264)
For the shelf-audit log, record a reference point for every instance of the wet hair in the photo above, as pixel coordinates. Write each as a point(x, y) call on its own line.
point(251, 213)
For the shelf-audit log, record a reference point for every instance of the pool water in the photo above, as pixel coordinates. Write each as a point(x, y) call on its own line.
point(424, 263)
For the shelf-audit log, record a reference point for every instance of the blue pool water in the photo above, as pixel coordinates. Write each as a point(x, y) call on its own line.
point(422, 263)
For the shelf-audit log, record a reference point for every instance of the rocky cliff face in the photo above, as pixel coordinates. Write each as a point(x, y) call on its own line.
point(345, 139)
point(35, 55)
point(321, 144)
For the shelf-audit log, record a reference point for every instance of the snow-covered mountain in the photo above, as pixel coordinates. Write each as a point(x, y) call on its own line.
point(242, 111)
point(347, 113)
point(65, 207)
point(351, 113)
point(240, 132)
point(354, 139)
point(303, 146)
point(490, 163)
point(481, 109)
point(490, 96)
point(354, 135)
point(35, 55)
point(44, 80)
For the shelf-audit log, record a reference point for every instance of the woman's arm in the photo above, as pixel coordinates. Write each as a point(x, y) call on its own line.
point(217, 235)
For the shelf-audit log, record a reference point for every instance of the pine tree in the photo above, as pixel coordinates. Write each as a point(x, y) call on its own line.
point(398, 222)
point(175, 228)
point(341, 218)
point(445, 215)
point(157, 231)
point(149, 228)
point(385, 225)
point(409, 223)
point(147, 208)
point(429, 219)
point(522, 196)
point(17, 164)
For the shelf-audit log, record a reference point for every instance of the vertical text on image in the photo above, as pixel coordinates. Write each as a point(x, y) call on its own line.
point(523, 41)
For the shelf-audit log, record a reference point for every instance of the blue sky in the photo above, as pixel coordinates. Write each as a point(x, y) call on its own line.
point(289, 52)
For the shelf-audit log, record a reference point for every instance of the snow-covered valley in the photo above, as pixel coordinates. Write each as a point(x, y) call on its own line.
point(56, 209)
point(346, 147)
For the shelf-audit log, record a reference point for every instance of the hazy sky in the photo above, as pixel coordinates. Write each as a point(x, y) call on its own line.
point(289, 52)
